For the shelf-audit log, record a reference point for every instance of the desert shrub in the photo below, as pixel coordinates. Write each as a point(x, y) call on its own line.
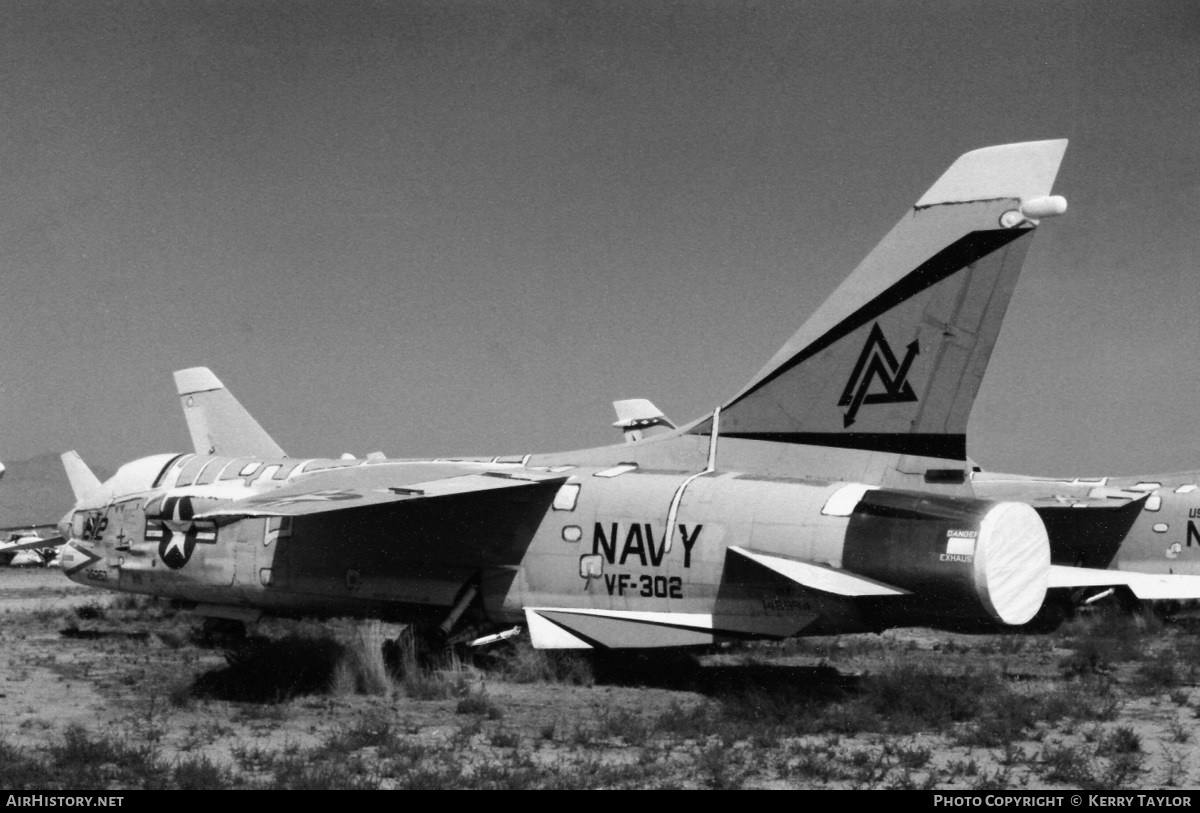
point(301, 772)
point(360, 667)
point(22, 770)
point(1122, 740)
point(817, 762)
point(426, 675)
point(757, 707)
point(1187, 652)
point(92, 611)
point(513, 771)
point(913, 697)
point(721, 768)
point(1174, 771)
point(1070, 764)
point(999, 779)
point(372, 729)
point(436, 684)
point(624, 724)
point(1122, 769)
point(253, 758)
point(907, 779)
point(1092, 699)
point(518, 662)
point(100, 762)
point(694, 721)
point(868, 767)
point(1105, 637)
point(478, 703)
point(1003, 716)
point(913, 756)
point(1162, 672)
point(851, 717)
point(200, 773)
point(1179, 732)
point(503, 738)
point(1088, 657)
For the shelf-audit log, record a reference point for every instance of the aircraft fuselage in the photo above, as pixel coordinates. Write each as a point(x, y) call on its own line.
point(616, 540)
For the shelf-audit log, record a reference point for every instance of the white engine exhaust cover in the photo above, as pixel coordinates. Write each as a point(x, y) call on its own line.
point(1012, 562)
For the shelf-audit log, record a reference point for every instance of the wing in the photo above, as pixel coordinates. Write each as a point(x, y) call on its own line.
point(30, 539)
point(1144, 586)
point(327, 495)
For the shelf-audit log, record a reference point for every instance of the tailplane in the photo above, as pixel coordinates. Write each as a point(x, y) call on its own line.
point(892, 361)
point(218, 423)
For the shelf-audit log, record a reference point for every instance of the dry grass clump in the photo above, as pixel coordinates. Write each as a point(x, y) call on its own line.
point(361, 668)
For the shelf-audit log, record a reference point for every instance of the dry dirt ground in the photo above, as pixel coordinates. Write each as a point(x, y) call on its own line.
point(105, 691)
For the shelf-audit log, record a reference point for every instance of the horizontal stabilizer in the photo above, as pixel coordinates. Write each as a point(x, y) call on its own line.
point(570, 628)
point(820, 577)
point(82, 481)
point(217, 422)
point(1144, 586)
point(303, 499)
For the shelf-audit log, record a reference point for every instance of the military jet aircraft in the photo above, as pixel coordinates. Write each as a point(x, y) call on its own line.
point(1123, 526)
point(1150, 546)
point(831, 494)
point(27, 546)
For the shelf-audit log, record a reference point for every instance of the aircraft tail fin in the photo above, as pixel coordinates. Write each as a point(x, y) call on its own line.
point(218, 423)
point(82, 480)
point(892, 361)
point(638, 418)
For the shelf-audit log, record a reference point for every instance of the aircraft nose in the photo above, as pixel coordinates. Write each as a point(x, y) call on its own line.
point(75, 559)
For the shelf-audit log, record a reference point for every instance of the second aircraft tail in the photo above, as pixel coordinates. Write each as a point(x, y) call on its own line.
point(892, 361)
point(218, 423)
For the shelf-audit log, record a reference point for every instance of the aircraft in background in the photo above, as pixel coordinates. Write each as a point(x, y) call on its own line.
point(1156, 542)
point(639, 419)
point(830, 495)
point(26, 546)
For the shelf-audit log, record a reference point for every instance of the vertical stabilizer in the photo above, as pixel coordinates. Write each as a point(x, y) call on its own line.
point(218, 423)
point(892, 361)
point(83, 482)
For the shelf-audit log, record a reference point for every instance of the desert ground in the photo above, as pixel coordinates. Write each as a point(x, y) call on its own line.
point(104, 691)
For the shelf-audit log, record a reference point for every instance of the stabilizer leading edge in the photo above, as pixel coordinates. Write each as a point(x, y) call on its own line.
point(892, 361)
point(217, 422)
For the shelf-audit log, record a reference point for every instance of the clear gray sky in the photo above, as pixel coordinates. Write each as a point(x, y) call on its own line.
point(438, 228)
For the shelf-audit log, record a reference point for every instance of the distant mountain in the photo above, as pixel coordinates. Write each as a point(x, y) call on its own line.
point(36, 491)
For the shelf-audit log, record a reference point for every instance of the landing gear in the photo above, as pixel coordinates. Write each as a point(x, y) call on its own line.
point(419, 648)
point(464, 637)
